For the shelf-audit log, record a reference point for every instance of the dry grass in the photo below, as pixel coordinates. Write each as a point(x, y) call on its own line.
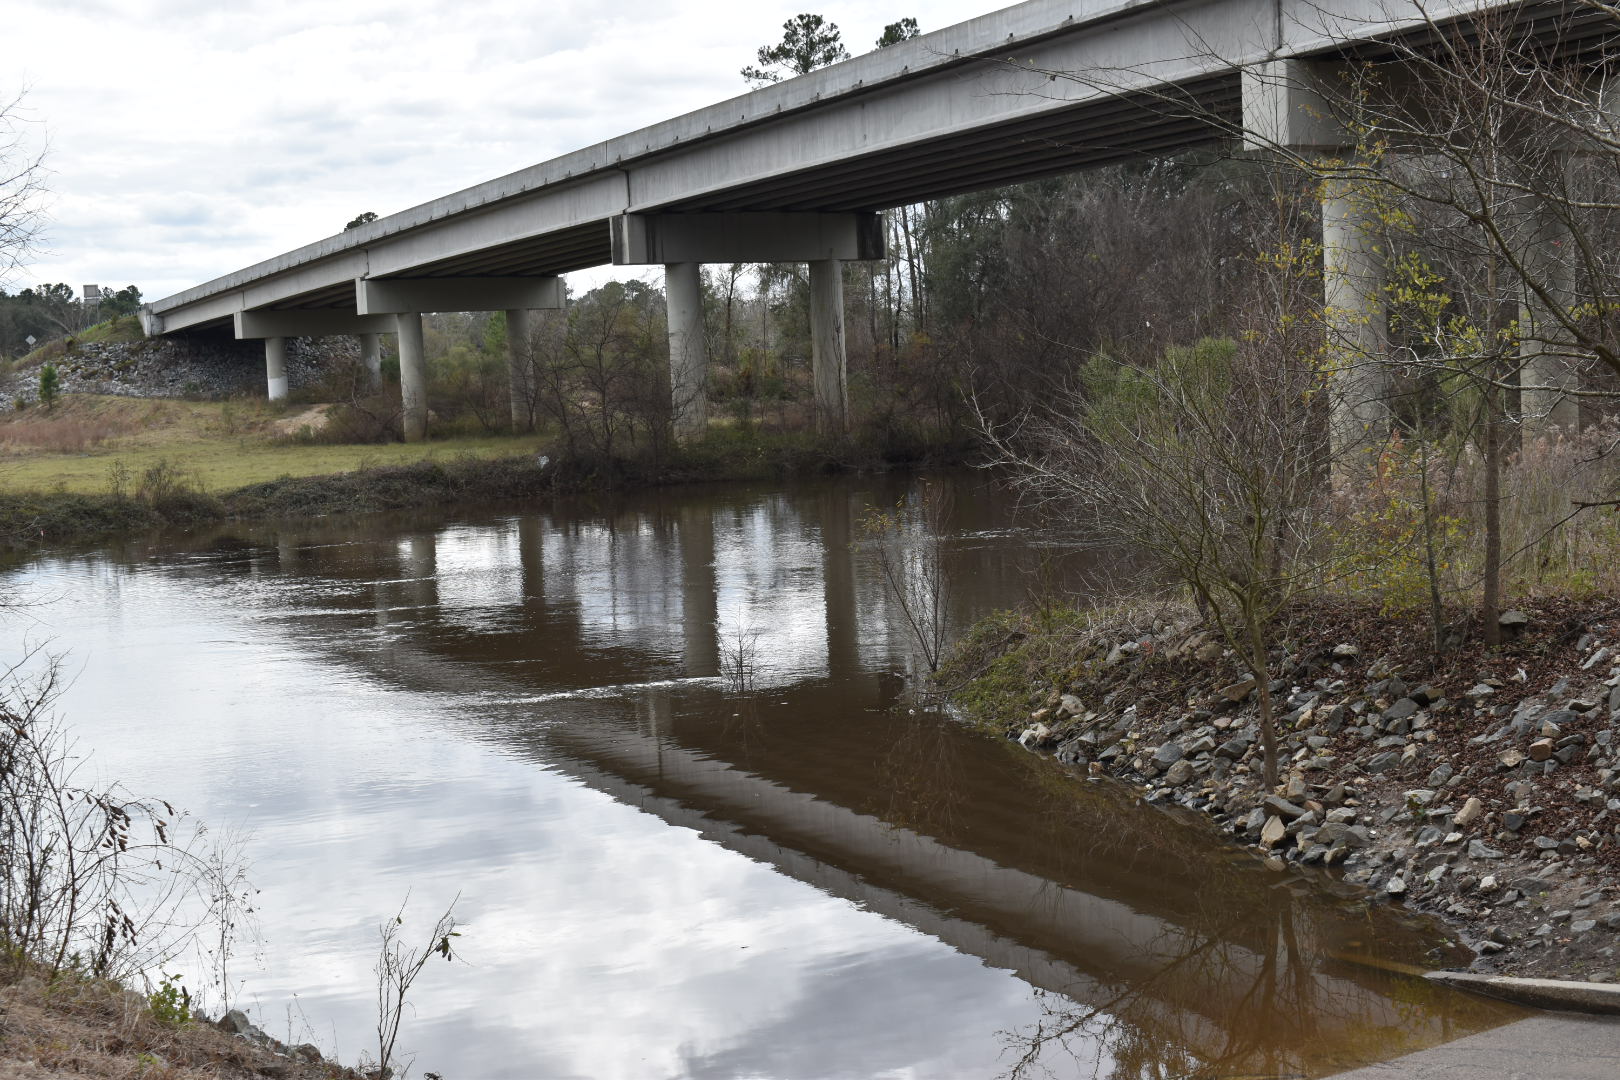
point(1550, 546)
point(71, 1026)
point(48, 433)
point(224, 445)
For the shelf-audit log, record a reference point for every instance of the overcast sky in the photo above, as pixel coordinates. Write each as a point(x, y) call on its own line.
point(189, 138)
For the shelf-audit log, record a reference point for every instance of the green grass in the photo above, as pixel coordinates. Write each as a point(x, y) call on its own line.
point(220, 446)
point(224, 467)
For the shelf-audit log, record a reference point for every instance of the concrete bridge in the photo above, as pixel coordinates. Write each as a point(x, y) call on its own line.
point(801, 170)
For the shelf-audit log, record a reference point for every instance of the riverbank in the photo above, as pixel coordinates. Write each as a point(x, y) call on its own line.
point(165, 495)
point(72, 1025)
point(1482, 788)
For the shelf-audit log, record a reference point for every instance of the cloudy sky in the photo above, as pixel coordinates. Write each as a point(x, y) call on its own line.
point(188, 138)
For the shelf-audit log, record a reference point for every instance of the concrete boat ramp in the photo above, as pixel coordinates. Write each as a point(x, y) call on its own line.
point(1583, 1045)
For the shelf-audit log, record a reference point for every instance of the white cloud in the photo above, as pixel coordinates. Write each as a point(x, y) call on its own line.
point(189, 139)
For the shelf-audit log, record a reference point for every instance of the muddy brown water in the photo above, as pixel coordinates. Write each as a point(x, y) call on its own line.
point(660, 875)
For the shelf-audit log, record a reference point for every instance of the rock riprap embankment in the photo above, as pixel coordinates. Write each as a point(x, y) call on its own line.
point(1476, 797)
point(203, 367)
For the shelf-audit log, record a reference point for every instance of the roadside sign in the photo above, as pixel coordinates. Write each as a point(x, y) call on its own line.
point(30, 340)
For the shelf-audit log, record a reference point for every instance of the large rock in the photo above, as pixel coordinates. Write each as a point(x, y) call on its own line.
point(1179, 773)
point(1403, 709)
point(1034, 736)
point(1239, 690)
point(1280, 806)
point(1470, 812)
point(1168, 754)
point(1337, 832)
point(1273, 831)
point(1383, 762)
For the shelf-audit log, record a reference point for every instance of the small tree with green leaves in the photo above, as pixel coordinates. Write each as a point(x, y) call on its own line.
point(50, 385)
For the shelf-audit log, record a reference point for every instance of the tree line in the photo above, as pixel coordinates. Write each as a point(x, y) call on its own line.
point(50, 311)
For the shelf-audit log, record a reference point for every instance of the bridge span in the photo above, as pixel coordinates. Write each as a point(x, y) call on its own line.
point(801, 170)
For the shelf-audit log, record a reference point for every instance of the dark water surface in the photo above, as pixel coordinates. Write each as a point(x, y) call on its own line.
point(660, 877)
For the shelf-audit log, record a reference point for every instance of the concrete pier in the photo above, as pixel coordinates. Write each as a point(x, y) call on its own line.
point(275, 367)
point(827, 355)
point(519, 364)
point(1544, 352)
point(688, 349)
point(412, 377)
point(1352, 287)
point(371, 357)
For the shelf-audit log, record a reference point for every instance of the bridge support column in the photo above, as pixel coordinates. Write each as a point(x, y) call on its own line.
point(1358, 331)
point(275, 367)
point(682, 242)
point(1544, 351)
point(829, 366)
point(688, 349)
point(520, 368)
point(371, 357)
point(412, 377)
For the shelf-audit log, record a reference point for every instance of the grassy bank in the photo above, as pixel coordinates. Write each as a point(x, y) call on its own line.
point(1480, 785)
point(174, 463)
point(88, 443)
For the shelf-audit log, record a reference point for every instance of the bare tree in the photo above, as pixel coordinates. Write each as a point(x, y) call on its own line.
point(397, 969)
point(22, 187)
point(1210, 463)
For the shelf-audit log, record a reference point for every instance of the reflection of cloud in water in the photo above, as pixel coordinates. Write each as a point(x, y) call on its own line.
point(620, 580)
point(769, 587)
point(866, 999)
point(478, 573)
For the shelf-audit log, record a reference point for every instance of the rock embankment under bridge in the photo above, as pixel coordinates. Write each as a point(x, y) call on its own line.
point(204, 368)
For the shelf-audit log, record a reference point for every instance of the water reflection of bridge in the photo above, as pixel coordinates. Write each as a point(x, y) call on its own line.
point(530, 622)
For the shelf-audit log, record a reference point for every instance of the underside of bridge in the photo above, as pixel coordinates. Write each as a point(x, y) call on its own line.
point(964, 109)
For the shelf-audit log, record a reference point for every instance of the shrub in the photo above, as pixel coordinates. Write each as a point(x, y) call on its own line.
point(170, 1002)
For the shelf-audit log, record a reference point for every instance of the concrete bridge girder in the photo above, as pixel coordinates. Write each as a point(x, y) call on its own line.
point(683, 242)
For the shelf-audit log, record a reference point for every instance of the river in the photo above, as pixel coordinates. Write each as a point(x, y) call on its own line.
point(661, 874)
